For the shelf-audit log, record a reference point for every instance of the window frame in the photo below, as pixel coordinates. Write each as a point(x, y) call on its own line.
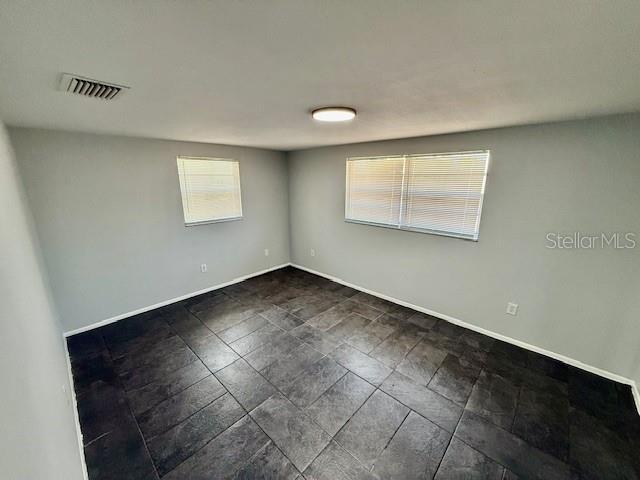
point(403, 199)
point(183, 189)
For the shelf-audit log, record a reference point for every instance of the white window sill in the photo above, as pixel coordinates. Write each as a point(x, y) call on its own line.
point(216, 220)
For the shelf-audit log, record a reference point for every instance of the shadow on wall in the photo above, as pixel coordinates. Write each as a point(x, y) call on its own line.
point(38, 437)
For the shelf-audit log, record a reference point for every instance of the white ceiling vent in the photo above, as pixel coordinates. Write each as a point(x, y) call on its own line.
point(90, 88)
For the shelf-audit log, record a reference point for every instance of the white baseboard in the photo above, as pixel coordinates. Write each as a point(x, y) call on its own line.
point(76, 418)
point(107, 321)
point(569, 361)
point(562, 358)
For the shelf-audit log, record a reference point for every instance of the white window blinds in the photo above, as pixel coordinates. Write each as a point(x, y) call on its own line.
point(434, 193)
point(210, 189)
point(374, 189)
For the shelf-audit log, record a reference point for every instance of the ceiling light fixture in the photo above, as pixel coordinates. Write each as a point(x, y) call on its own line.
point(333, 114)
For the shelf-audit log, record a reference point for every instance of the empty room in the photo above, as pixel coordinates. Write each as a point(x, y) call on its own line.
point(320, 239)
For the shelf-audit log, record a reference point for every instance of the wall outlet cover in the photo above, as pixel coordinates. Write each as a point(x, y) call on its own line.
point(203, 267)
point(512, 308)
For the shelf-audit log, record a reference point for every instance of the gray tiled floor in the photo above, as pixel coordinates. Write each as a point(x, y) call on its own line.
point(291, 376)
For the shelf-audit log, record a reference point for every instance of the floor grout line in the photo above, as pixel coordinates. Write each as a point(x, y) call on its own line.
point(124, 392)
point(515, 410)
point(191, 414)
point(220, 433)
point(97, 438)
point(386, 445)
point(278, 390)
point(444, 453)
point(248, 299)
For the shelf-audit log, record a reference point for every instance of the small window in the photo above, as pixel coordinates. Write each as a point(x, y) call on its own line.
point(435, 193)
point(210, 190)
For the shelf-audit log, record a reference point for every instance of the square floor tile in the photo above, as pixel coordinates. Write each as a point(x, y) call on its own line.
point(172, 447)
point(347, 327)
point(319, 340)
point(213, 352)
point(102, 407)
point(440, 410)
point(461, 462)
point(598, 452)
point(373, 301)
point(542, 420)
point(509, 450)
point(153, 372)
point(226, 314)
point(395, 347)
point(494, 398)
point(265, 355)
point(455, 379)
point(245, 384)
point(367, 433)
point(422, 320)
point(335, 463)
point(415, 451)
point(362, 365)
point(224, 455)
point(265, 334)
point(242, 329)
point(314, 381)
point(282, 318)
point(120, 453)
point(292, 430)
point(286, 369)
point(150, 354)
point(332, 410)
point(144, 398)
point(340, 312)
point(93, 368)
point(422, 362)
point(373, 334)
point(268, 463)
point(179, 407)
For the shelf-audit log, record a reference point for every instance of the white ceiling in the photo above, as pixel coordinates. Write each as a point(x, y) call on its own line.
point(247, 72)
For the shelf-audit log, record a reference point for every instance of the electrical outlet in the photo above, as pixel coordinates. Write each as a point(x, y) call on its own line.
point(266, 252)
point(512, 308)
point(203, 268)
point(312, 252)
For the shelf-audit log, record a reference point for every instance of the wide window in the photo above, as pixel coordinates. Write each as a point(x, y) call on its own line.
point(434, 193)
point(210, 189)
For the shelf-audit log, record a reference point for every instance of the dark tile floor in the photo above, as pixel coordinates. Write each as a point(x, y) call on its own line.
point(290, 376)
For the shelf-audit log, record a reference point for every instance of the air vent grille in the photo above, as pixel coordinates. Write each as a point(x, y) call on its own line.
point(90, 88)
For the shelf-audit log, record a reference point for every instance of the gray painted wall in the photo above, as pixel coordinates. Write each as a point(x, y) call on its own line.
point(38, 438)
point(563, 177)
point(109, 216)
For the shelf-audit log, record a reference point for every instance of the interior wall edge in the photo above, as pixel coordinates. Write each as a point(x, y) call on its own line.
point(74, 404)
point(498, 336)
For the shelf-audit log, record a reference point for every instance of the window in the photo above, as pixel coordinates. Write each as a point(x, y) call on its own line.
point(210, 189)
point(436, 193)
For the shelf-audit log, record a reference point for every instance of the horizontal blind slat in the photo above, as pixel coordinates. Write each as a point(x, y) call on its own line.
point(210, 189)
point(433, 192)
point(445, 192)
point(374, 187)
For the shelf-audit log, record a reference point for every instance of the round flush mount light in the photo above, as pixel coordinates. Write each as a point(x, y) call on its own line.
point(333, 114)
